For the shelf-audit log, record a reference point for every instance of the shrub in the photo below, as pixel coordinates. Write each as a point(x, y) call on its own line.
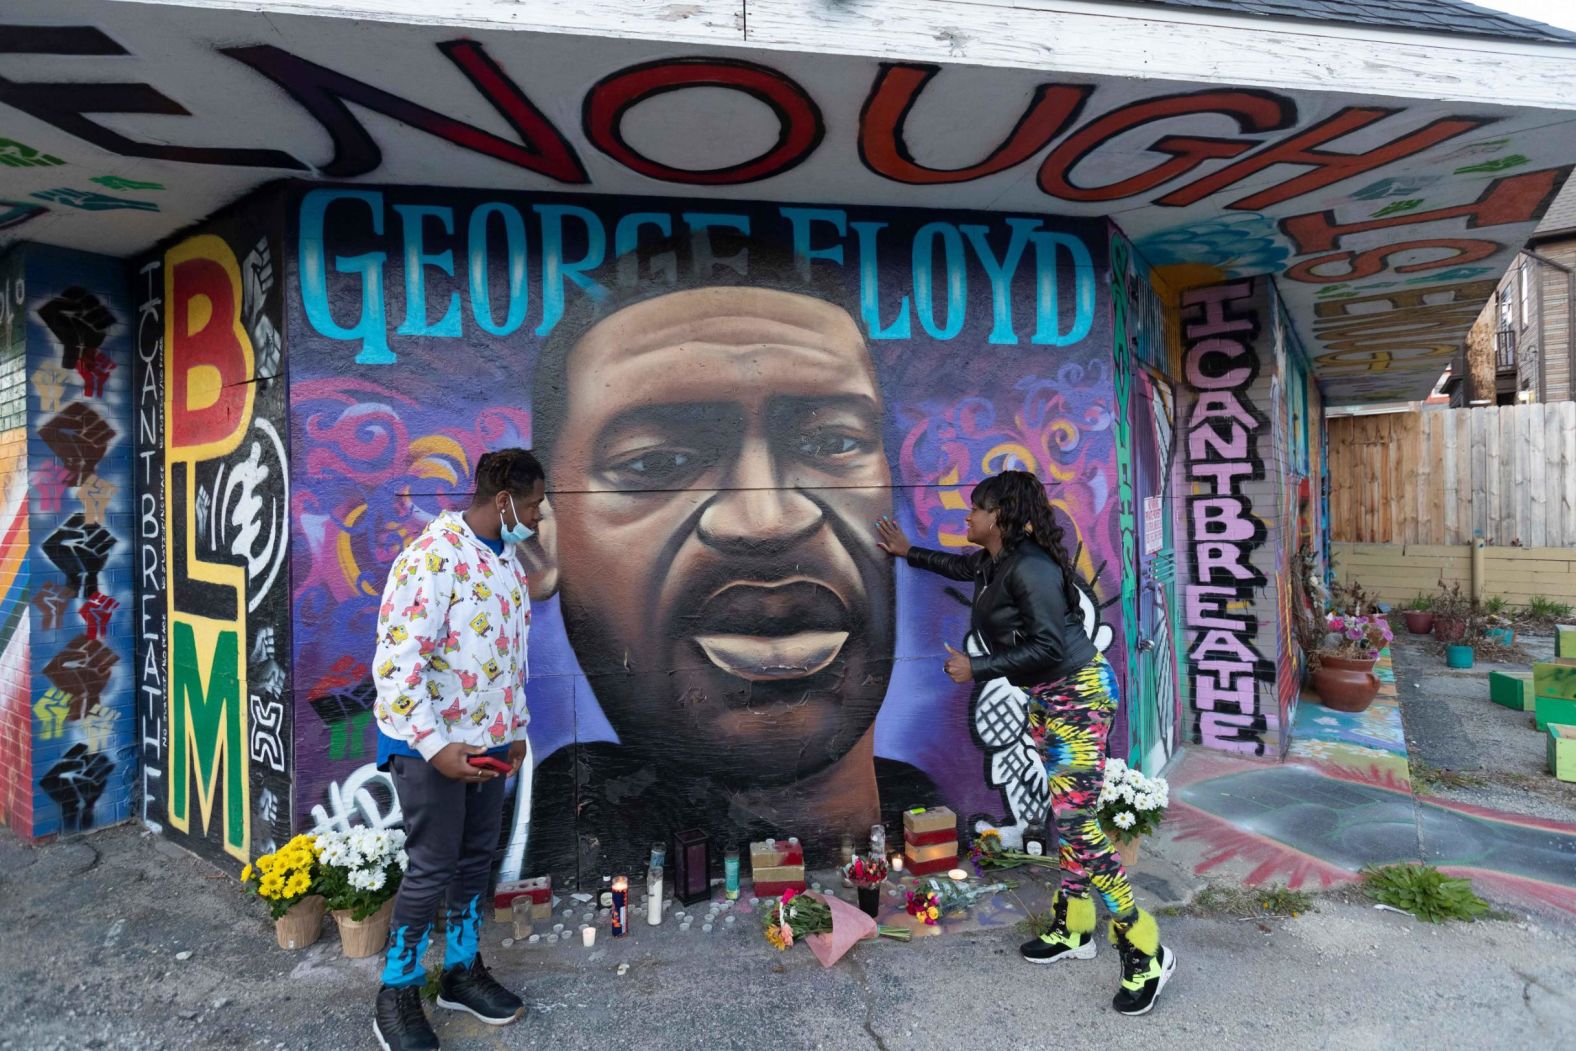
point(1423, 891)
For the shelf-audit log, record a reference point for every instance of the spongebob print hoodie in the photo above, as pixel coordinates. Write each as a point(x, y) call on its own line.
point(450, 664)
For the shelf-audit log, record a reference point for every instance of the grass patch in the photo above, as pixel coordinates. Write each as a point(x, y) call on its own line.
point(1217, 900)
point(1036, 924)
point(1546, 611)
point(1426, 777)
point(1425, 892)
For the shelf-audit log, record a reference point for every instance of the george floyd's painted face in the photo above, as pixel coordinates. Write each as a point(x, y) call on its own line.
point(714, 483)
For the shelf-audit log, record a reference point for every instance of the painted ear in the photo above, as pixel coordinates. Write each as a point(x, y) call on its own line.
point(539, 556)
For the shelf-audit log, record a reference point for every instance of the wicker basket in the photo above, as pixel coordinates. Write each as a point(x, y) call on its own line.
point(302, 924)
point(359, 938)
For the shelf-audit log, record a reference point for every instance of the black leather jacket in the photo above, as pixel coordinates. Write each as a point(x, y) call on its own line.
point(1020, 610)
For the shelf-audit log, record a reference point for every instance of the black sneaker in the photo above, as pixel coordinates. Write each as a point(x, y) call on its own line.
point(1143, 976)
point(474, 990)
point(400, 1022)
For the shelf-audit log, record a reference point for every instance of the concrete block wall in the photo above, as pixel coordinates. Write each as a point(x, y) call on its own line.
point(73, 407)
point(1231, 458)
point(16, 732)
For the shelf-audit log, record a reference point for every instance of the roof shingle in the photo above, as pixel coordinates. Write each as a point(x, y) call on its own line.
point(1430, 16)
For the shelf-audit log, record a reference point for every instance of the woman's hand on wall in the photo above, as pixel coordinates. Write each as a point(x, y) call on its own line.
point(891, 538)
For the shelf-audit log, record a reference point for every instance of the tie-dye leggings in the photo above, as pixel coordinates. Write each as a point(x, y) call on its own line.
point(1070, 719)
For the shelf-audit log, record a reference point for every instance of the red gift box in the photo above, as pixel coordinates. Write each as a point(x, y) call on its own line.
point(775, 889)
point(927, 868)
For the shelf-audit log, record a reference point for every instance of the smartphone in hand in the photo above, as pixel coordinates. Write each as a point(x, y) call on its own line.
point(487, 762)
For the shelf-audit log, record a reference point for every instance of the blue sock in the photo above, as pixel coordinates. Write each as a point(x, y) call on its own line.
point(402, 965)
point(463, 935)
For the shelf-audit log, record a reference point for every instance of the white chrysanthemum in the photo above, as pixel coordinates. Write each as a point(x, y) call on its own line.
point(1126, 793)
point(403, 860)
point(1125, 820)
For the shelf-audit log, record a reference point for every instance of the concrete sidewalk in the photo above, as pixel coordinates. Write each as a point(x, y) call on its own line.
point(95, 927)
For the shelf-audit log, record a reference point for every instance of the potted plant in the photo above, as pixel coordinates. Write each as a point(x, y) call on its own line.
point(1344, 674)
point(1419, 614)
point(1451, 608)
point(360, 872)
point(1130, 807)
point(867, 874)
point(1462, 653)
point(287, 879)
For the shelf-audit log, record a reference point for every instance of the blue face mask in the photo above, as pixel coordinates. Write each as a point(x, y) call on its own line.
point(518, 533)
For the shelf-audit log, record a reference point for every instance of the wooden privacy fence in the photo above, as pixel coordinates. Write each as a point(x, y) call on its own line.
point(1444, 476)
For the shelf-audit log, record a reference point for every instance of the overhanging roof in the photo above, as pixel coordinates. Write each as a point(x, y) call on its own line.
point(1385, 178)
point(1428, 16)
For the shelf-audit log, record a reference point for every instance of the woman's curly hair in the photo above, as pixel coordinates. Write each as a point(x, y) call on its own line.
point(1022, 510)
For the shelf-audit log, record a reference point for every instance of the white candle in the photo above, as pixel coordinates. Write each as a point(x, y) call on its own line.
point(654, 900)
point(588, 936)
point(897, 863)
point(959, 875)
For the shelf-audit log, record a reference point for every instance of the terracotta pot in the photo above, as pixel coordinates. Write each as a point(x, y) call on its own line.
point(302, 924)
point(1449, 629)
point(1330, 660)
point(1344, 689)
point(1419, 622)
point(360, 938)
point(1128, 848)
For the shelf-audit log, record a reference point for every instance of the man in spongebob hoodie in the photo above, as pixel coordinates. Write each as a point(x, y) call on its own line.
point(450, 671)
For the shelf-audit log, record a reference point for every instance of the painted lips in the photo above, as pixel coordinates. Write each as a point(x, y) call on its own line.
point(773, 632)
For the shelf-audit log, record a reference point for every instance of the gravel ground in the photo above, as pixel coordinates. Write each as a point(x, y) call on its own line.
point(95, 929)
point(1499, 757)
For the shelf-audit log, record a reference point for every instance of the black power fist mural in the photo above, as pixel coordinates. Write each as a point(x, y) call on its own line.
point(80, 322)
point(80, 437)
point(75, 784)
point(78, 548)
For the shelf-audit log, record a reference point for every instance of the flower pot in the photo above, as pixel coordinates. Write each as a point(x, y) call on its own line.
point(1127, 847)
point(1419, 622)
point(1449, 629)
point(1344, 689)
point(359, 938)
point(302, 924)
point(1502, 636)
point(1330, 660)
point(1459, 656)
point(870, 900)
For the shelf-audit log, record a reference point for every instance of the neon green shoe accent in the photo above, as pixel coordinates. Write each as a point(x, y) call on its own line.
point(1142, 933)
point(1080, 915)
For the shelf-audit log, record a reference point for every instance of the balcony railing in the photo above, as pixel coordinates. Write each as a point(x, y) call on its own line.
point(1505, 350)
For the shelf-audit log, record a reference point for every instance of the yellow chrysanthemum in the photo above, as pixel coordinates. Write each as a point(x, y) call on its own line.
point(271, 887)
point(297, 885)
point(246, 874)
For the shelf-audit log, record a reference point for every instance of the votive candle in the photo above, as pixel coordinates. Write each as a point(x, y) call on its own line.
point(620, 906)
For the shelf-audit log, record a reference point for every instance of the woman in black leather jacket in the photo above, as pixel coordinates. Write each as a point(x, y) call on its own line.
point(1026, 617)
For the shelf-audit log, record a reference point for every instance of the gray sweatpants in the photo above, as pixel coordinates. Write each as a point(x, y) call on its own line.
point(451, 837)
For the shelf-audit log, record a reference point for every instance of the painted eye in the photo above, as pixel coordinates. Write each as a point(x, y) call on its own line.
point(827, 446)
point(658, 463)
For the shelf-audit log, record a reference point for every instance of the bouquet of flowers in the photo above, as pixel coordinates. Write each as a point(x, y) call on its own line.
point(285, 876)
point(925, 905)
point(831, 926)
point(1359, 637)
point(866, 872)
point(952, 895)
point(361, 868)
point(987, 852)
point(1131, 805)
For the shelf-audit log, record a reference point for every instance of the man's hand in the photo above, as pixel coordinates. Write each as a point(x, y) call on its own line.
point(891, 538)
point(516, 757)
point(958, 668)
point(451, 764)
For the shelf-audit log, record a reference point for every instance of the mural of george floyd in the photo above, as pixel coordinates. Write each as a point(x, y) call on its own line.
point(726, 396)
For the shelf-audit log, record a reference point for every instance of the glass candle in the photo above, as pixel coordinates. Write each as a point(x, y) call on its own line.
point(588, 936)
point(654, 895)
point(620, 906)
point(877, 840)
point(659, 855)
point(730, 870)
point(520, 913)
point(896, 864)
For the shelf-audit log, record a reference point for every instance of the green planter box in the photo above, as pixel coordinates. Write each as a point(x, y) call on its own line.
point(1562, 751)
point(1551, 710)
point(1512, 690)
point(1556, 678)
point(1564, 640)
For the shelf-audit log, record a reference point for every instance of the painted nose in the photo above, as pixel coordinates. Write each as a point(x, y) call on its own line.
point(759, 514)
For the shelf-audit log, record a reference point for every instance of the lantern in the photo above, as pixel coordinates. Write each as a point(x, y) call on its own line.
point(691, 867)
